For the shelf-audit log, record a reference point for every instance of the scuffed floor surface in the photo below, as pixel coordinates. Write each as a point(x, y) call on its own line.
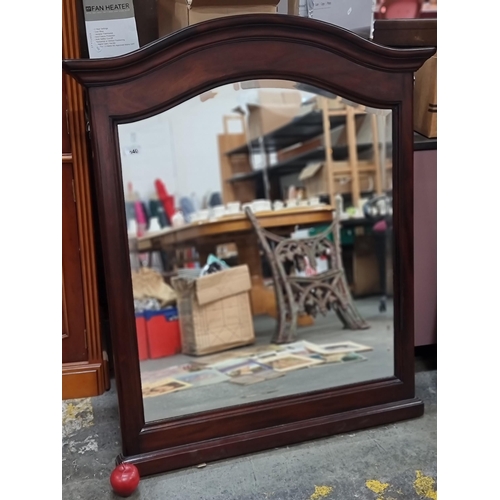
point(76, 414)
point(393, 462)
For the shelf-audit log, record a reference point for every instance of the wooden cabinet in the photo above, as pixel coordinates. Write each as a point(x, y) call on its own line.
point(84, 361)
point(74, 347)
point(66, 138)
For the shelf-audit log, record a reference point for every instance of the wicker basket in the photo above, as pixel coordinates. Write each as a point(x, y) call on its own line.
point(214, 311)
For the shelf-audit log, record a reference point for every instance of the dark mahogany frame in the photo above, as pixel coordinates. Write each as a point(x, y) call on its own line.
point(179, 67)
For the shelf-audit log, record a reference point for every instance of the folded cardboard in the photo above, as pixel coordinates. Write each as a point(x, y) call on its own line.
point(147, 283)
point(174, 15)
point(273, 110)
point(214, 311)
point(314, 178)
point(425, 99)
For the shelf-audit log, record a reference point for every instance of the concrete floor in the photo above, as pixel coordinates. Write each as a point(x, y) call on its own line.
point(391, 462)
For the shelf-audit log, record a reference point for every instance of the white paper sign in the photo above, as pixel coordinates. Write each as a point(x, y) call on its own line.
point(111, 28)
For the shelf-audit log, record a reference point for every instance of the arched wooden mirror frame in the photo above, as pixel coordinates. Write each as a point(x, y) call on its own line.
point(179, 67)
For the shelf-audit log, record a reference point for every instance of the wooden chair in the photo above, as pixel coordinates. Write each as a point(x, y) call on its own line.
point(317, 292)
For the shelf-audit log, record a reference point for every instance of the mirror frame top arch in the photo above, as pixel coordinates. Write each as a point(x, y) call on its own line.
point(174, 69)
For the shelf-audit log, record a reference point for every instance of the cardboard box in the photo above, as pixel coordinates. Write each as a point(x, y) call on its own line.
point(214, 311)
point(274, 110)
point(174, 15)
point(314, 178)
point(425, 99)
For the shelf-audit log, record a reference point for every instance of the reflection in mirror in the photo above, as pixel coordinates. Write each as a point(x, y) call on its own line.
point(260, 239)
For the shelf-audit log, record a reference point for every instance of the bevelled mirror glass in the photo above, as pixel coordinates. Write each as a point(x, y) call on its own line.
point(205, 272)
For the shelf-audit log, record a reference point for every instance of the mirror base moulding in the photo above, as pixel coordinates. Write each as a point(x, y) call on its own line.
point(189, 455)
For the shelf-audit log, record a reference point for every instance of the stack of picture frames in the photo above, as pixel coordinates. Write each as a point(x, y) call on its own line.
point(248, 366)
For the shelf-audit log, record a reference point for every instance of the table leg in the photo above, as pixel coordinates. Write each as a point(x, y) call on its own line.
point(262, 297)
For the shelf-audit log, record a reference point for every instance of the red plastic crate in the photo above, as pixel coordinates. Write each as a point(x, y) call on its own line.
point(163, 332)
point(142, 337)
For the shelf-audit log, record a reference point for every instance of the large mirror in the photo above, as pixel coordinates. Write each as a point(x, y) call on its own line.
point(254, 184)
point(189, 174)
